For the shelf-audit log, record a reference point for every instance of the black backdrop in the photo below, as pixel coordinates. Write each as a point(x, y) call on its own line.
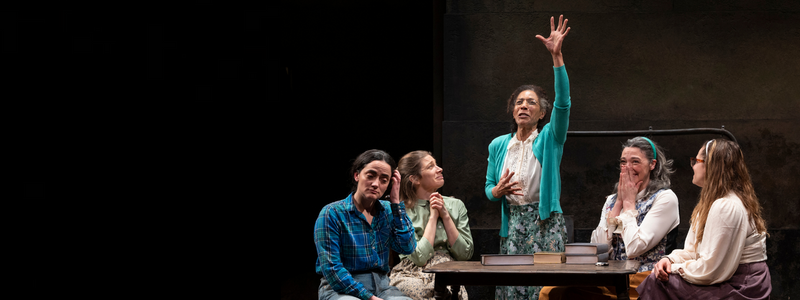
point(347, 78)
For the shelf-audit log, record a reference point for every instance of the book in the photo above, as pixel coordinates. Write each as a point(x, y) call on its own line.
point(587, 259)
point(585, 248)
point(546, 257)
point(506, 259)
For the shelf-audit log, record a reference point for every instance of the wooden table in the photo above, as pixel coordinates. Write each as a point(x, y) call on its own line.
point(473, 273)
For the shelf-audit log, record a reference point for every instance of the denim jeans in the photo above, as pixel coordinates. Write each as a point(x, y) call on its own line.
point(377, 283)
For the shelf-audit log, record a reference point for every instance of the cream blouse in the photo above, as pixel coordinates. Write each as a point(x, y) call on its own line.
point(729, 239)
point(660, 220)
point(528, 170)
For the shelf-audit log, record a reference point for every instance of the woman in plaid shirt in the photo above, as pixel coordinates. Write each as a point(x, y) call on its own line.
point(353, 236)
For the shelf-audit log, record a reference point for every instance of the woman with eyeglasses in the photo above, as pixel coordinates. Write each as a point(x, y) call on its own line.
point(725, 252)
point(639, 220)
point(523, 169)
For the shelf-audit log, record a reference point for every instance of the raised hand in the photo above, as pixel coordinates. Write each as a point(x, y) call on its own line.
point(394, 195)
point(556, 39)
point(504, 187)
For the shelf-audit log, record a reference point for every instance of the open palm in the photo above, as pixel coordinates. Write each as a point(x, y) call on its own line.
point(557, 34)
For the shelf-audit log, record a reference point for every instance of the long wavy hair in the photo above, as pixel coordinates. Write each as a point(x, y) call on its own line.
point(410, 166)
point(659, 176)
point(725, 172)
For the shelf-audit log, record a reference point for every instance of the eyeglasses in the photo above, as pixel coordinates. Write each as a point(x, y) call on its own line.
point(695, 160)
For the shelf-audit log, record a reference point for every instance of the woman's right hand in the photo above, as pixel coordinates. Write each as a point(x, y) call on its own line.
point(662, 269)
point(504, 187)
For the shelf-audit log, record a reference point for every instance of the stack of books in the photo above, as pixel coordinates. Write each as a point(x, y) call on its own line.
point(586, 253)
point(574, 253)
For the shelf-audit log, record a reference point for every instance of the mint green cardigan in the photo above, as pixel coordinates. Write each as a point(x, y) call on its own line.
point(548, 148)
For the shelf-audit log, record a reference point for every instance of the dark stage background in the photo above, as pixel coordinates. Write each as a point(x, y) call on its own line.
point(344, 77)
point(357, 75)
point(175, 99)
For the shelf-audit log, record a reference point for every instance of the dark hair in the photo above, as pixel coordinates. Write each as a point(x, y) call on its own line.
point(367, 157)
point(659, 176)
point(544, 104)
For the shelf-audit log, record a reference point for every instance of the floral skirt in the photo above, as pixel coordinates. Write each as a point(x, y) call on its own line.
point(527, 234)
point(409, 278)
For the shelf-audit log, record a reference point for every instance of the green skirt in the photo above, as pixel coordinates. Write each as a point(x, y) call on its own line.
point(527, 234)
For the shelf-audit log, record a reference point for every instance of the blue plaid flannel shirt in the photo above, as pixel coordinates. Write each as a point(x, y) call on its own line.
point(347, 243)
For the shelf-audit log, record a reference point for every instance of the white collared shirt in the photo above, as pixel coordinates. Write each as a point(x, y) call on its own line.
point(729, 239)
point(527, 169)
point(662, 217)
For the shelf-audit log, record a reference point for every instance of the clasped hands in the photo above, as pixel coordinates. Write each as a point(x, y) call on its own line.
point(437, 207)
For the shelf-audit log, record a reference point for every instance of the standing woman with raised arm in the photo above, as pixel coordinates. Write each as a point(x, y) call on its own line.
point(523, 171)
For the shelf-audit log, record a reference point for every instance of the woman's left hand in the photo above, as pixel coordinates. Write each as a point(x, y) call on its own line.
point(394, 195)
point(556, 39)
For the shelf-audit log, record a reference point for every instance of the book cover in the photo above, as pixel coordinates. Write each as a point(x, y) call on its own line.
point(585, 248)
point(506, 259)
point(587, 259)
point(546, 257)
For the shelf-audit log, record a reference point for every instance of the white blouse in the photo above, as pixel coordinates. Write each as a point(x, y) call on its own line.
point(729, 239)
point(528, 170)
point(660, 220)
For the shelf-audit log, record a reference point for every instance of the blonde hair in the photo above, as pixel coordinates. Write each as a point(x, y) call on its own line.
point(410, 166)
point(726, 172)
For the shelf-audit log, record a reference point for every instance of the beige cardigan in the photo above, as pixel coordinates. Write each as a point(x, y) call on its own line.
point(729, 239)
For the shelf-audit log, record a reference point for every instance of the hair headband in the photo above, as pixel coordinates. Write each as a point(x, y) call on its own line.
point(655, 152)
point(708, 143)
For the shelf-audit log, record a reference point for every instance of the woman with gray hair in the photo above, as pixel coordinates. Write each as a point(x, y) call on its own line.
point(635, 219)
point(638, 221)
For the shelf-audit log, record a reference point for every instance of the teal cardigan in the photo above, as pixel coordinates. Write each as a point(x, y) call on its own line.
point(548, 148)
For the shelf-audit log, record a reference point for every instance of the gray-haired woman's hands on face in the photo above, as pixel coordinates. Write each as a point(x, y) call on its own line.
point(627, 189)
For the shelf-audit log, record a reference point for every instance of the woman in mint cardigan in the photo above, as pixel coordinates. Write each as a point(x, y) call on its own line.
point(523, 172)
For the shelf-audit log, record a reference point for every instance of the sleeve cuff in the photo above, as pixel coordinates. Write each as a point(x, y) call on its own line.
point(677, 269)
point(628, 217)
point(398, 209)
point(365, 295)
point(461, 249)
point(676, 260)
point(423, 253)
